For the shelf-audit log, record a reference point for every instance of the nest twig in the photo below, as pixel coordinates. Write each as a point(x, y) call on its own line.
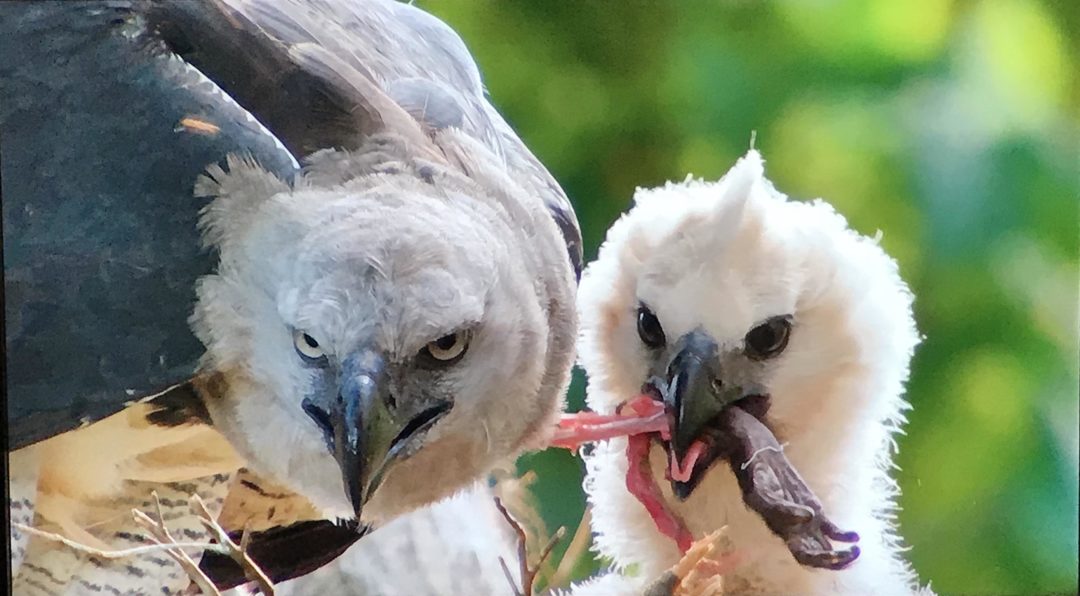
point(528, 572)
point(159, 533)
point(110, 554)
point(238, 552)
point(579, 545)
point(163, 541)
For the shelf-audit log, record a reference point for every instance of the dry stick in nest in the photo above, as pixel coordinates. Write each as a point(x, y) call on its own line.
point(238, 553)
point(528, 573)
point(110, 554)
point(517, 497)
point(163, 542)
point(160, 535)
point(578, 546)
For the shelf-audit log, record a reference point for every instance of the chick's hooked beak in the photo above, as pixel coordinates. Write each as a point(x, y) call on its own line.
point(365, 431)
point(696, 394)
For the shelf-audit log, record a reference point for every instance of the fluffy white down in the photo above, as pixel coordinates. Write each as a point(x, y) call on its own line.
point(725, 255)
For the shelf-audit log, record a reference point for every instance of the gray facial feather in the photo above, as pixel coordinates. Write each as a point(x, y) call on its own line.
point(379, 247)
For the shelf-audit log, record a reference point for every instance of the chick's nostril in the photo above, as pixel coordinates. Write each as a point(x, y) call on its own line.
point(322, 420)
point(717, 385)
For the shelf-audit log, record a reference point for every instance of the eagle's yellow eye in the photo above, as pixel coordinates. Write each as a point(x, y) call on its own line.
point(307, 346)
point(448, 347)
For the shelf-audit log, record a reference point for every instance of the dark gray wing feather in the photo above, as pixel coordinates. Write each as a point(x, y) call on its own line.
point(415, 59)
point(308, 112)
point(101, 248)
point(448, 66)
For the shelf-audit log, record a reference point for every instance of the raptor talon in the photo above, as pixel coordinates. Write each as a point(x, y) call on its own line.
point(835, 533)
point(826, 559)
point(848, 557)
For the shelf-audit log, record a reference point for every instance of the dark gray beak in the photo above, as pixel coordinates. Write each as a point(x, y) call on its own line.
point(696, 389)
point(363, 427)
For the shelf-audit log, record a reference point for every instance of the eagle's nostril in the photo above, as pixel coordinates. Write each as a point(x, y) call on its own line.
point(422, 421)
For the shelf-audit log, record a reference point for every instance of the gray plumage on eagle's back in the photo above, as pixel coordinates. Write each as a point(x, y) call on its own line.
point(101, 248)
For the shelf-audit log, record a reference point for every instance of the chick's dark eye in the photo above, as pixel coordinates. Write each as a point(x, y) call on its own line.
point(769, 338)
point(649, 329)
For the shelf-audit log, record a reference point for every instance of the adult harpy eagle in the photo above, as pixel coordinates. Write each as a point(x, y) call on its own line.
point(778, 340)
point(380, 323)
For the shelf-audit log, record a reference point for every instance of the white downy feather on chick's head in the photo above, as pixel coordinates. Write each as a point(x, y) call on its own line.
point(722, 258)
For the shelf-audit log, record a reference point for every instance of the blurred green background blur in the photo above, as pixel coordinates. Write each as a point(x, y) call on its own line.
point(951, 126)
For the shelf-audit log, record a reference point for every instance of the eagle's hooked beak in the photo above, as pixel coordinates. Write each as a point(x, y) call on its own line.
point(366, 431)
point(696, 394)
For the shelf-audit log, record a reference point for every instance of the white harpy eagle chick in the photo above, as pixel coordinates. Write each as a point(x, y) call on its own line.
point(751, 315)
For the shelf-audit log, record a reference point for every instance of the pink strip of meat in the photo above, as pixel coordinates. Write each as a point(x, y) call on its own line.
point(647, 419)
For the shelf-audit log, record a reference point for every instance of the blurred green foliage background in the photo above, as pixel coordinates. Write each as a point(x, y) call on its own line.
point(950, 125)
